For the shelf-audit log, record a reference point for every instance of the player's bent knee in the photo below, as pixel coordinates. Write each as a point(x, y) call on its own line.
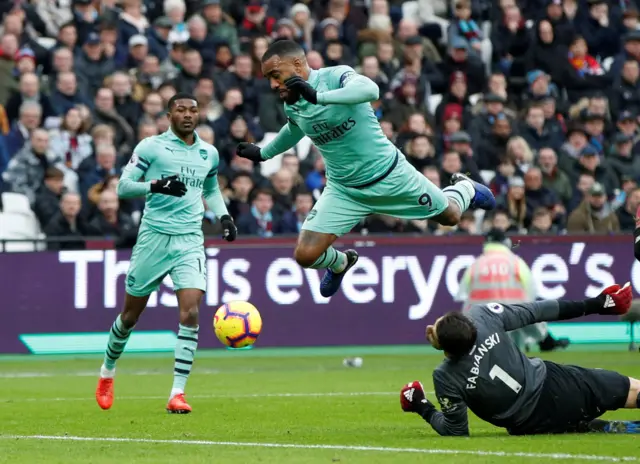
point(189, 316)
point(450, 216)
point(306, 255)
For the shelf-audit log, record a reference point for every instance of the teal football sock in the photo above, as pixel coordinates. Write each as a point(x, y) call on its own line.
point(331, 259)
point(186, 347)
point(118, 337)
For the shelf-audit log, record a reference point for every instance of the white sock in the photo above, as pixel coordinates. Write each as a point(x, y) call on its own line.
point(175, 391)
point(461, 193)
point(340, 264)
point(107, 373)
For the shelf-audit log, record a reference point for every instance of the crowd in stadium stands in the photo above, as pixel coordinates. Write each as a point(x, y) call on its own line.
point(540, 99)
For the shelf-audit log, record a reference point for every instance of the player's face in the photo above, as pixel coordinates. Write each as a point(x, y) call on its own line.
point(184, 116)
point(278, 70)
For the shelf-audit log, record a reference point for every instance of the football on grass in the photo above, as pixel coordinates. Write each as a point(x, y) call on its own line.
point(237, 324)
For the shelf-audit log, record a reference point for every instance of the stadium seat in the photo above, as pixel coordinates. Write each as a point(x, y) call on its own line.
point(434, 101)
point(487, 175)
point(18, 226)
point(15, 203)
point(46, 42)
point(607, 62)
point(410, 9)
point(475, 98)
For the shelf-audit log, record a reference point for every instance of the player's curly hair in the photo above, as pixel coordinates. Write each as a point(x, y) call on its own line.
point(456, 334)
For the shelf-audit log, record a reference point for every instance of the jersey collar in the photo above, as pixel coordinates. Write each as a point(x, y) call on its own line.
point(313, 77)
point(172, 136)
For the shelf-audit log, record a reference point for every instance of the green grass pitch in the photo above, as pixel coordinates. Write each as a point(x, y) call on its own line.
point(267, 406)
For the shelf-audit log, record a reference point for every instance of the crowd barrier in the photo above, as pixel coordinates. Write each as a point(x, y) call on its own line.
point(65, 301)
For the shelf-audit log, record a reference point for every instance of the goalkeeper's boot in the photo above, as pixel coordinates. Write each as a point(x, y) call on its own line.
point(483, 198)
point(603, 426)
point(331, 280)
point(178, 405)
point(411, 396)
point(104, 392)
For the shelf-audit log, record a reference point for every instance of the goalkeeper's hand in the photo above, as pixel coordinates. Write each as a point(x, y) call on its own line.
point(249, 151)
point(229, 229)
point(413, 398)
point(172, 186)
point(616, 300)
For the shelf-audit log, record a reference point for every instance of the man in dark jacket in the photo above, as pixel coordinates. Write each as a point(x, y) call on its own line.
point(68, 225)
point(110, 222)
point(92, 66)
point(621, 158)
point(47, 202)
point(471, 66)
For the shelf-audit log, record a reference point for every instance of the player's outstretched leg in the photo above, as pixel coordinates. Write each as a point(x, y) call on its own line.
point(482, 196)
point(118, 338)
point(186, 346)
point(314, 251)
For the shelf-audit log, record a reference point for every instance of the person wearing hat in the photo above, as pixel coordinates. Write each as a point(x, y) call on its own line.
point(494, 147)
point(595, 124)
point(591, 161)
point(498, 274)
point(594, 215)
point(627, 211)
point(627, 91)
point(482, 123)
point(621, 157)
point(92, 65)
point(459, 59)
point(219, 26)
point(627, 123)
point(576, 140)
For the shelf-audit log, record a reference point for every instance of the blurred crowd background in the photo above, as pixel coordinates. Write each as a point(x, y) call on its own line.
point(540, 99)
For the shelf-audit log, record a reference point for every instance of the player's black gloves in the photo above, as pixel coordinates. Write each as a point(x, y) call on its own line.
point(249, 151)
point(229, 230)
point(303, 88)
point(169, 186)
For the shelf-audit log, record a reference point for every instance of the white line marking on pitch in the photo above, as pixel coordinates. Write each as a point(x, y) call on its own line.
point(250, 395)
point(506, 454)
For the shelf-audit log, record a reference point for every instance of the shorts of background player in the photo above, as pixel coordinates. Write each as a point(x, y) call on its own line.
point(404, 193)
point(157, 255)
point(572, 395)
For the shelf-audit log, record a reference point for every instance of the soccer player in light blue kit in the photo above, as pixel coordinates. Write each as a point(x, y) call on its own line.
point(366, 173)
point(178, 169)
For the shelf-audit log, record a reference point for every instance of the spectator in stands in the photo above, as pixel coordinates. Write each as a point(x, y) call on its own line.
point(8, 50)
point(464, 28)
point(590, 162)
point(70, 141)
point(29, 120)
point(626, 94)
point(106, 113)
point(560, 14)
point(124, 104)
point(95, 169)
point(93, 66)
point(219, 27)
point(501, 220)
point(29, 90)
point(621, 158)
point(627, 213)
point(26, 170)
point(601, 30)
point(207, 135)
point(495, 146)
point(68, 228)
point(260, 220)
point(514, 202)
point(537, 195)
point(594, 215)
point(67, 95)
point(283, 191)
point(535, 132)
point(241, 186)
point(471, 66)
point(553, 178)
point(482, 125)
point(457, 94)
point(520, 154)
point(110, 222)
point(47, 202)
point(511, 43)
point(542, 222)
point(63, 61)
point(292, 220)
point(316, 179)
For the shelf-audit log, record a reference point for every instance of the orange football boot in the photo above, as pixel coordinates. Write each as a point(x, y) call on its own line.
point(104, 392)
point(178, 405)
